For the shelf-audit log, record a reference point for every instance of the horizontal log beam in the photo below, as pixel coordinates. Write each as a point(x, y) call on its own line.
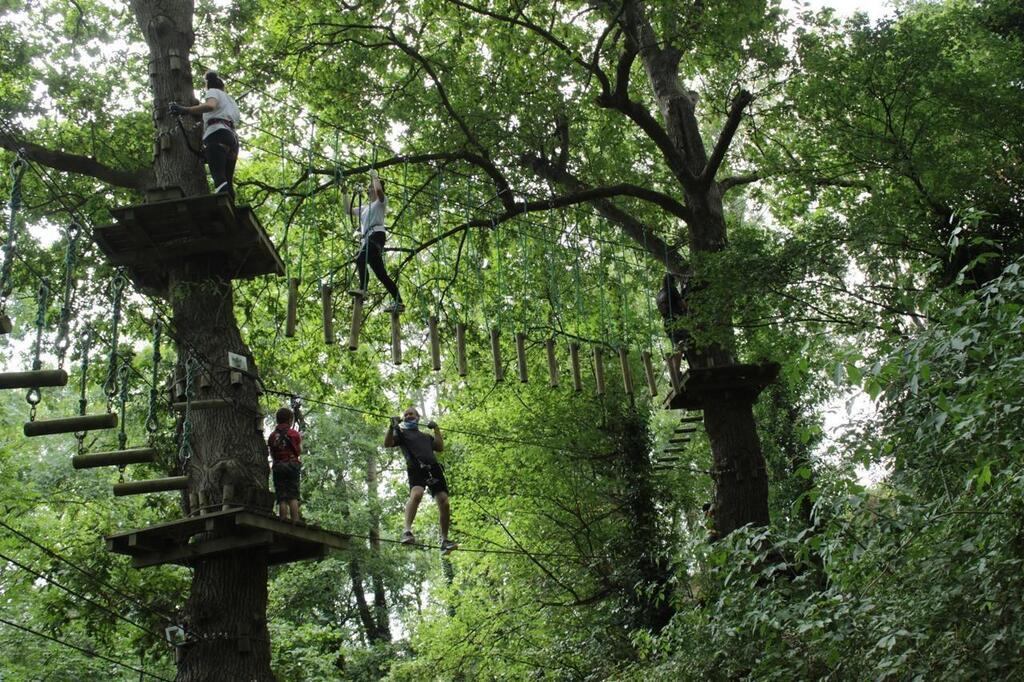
point(114, 458)
point(89, 422)
point(39, 378)
point(155, 485)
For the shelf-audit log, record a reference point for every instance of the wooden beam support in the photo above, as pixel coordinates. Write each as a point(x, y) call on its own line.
point(435, 344)
point(652, 385)
point(293, 307)
point(627, 372)
point(40, 378)
point(396, 338)
point(499, 369)
point(154, 485)
point(460, 347)
point(599, 369)
point(574, 361)
point(114, 458)
point(89, 422)
point(189, 553)
point(521, 357)
point(549, 346)
point(673, 372)
point(327, 302)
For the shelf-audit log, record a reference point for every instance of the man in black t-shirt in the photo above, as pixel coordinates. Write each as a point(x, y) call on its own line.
point(424, 471)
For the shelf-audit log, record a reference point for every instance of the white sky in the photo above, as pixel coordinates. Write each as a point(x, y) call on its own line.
point(875, 9)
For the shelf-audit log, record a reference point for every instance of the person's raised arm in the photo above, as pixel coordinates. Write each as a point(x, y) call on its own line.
point(209, 105)
point(378, 187)
point(438, 438)
point(391, 438)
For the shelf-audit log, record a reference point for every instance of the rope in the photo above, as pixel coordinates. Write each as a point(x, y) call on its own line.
point(42, 298)
point(62, 342)
point(83, 400)
point(185, 447)
point(87, 652)
point(110, 385)
point(152, 422)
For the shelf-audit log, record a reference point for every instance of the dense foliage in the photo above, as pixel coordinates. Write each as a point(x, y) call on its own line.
point(875, 217)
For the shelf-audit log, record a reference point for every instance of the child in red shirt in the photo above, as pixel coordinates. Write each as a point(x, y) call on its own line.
point(285, 446)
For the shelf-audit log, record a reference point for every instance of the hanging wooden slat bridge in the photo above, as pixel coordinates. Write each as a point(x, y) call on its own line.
point(186, 541)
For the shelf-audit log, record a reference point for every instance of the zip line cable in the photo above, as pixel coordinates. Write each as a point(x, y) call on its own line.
point(89, 574)
point(88, 600)
point(88, 652)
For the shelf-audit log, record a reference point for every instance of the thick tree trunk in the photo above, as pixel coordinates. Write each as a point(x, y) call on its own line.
point(741, 489)
point(226, 611)
point(380, 602)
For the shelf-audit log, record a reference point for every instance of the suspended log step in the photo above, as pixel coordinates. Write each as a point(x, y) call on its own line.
point(187, 541)
point(499, 368)
point(692, 420)
point(396, 337)
point(549, 347)
point(574, 361)
point(699, 386)
point(673, 451)
point(327, 303)
point(652, 385)
point(599, 369)
point(435, 344)
point(521, 357)
point(204, 404)
point(152, 239)
point(153, 485)
point(357, 321)
point(627, 372)
point(40, 378)
point(673, 372)
point(666, 460)
point(114, 458)
point(680, 441)
point(460, 347)
point(293, 307)
point(89, 422)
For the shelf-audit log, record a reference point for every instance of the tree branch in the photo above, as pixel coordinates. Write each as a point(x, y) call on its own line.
point(732, 123)
point(75, 163)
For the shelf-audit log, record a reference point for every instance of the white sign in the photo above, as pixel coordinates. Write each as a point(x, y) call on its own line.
point(236, 361)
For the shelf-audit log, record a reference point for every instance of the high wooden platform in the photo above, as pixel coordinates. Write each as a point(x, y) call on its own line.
point(148, 239)
point(699, 386)
point(186, 541)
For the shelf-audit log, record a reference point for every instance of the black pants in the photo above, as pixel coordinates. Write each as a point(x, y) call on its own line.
point(221, 151)
point(373, 253)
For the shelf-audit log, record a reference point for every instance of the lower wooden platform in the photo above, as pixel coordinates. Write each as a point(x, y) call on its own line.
point(186, 541)
point(700, 385)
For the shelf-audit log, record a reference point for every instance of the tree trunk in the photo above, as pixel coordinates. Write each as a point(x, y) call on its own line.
point(741, 489)
point(226, 611)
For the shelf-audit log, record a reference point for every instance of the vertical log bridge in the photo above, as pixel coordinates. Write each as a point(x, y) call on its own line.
point(327, 300)
point(599, 369)
point(293, 307)
point(627, 373)
point(357, 322)
point(549, 346)
point(652, 385)
point(396, 338)
point(499, 369)
point(521, 357)
point(460, 347)
point(574, 361)
point(435, 344)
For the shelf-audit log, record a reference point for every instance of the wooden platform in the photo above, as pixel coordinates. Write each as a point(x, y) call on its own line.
point(148, 239)
point(186, 541)
point(699, 386)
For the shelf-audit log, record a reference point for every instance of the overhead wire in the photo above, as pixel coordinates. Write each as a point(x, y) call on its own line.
point(88, 652)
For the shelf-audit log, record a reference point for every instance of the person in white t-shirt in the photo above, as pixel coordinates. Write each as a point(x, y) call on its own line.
point(373, 236)
point(220, 142)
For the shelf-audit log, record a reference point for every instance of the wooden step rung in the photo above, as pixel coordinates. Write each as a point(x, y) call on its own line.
point(114, 458)
point(40, 378)
point(89, 422)
point(652, 384)
point(521, 357)
point(499, 368)
point(293, 306)
point(574, 363)
point(460, 347)
point(549, 348)
point(153, 485)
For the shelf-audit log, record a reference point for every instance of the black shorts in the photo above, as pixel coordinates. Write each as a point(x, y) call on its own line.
point(286, 480)
point(430, 477)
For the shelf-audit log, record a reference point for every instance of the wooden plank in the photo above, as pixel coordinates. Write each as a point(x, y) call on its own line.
point(298, 532)
point(39, 378)
point(190, 553)
point(178, 528)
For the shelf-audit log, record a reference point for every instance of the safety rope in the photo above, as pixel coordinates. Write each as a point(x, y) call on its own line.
point(83, 400)
point(42, 300)
point(185, 447)
point(63, 341)
point(152, 424)
point(117, 293)
point(122, 435)
point(17, 171)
